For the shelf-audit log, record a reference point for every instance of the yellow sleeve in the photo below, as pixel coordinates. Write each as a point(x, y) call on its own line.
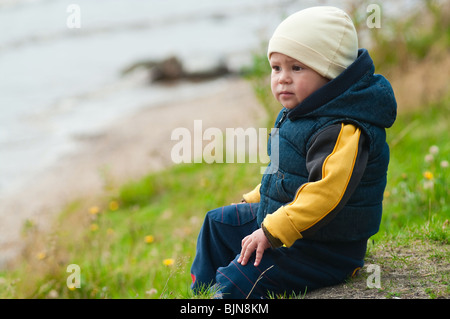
point(315, 200)
point(253, 196)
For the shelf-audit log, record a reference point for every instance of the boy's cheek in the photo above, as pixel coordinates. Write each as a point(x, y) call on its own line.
point(274, 93)
point(274, 86)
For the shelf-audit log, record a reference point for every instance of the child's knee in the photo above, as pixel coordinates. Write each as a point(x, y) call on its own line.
point(214, 215)
point(239, 282)
point(234, 215)
point(231, 287)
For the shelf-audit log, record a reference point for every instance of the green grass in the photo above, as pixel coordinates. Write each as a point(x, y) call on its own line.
point(139, 241)
point(418, 171)
point(137, 244)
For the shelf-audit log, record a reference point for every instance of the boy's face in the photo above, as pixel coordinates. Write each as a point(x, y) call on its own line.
point(292, 81)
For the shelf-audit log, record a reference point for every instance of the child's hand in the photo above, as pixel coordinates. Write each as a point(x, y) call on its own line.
point(256, 241)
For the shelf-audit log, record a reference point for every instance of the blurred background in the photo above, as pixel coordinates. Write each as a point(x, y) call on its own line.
point(72, 69)
point(59, 80)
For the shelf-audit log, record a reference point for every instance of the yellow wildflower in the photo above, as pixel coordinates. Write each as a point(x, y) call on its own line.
point(149, 239)
point(110, 231)
point(113, 205)
point(168, 262)
point(41, 255)
point(94, 210)
point(94, 227)
point(428, 175)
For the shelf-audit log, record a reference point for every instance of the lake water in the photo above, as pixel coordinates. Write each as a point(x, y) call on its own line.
point(58, 82)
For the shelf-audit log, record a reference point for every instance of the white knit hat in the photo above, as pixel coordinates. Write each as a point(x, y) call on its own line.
point(323, 38)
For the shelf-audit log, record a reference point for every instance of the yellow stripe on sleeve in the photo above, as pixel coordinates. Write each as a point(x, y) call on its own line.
point(315, 200)
point(253, 196)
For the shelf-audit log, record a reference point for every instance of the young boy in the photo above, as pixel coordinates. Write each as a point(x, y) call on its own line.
point(306, 225)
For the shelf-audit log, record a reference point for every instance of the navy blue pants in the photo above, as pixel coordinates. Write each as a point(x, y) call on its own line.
point(305, 266)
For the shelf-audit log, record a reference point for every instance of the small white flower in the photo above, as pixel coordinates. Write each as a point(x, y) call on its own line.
point(434, 150)
point(151, 291)
point(53, 294)
point(428, 185)
point(429, 158)
point(444, 164)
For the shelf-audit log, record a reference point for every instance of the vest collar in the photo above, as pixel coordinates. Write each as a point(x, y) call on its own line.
point(335, 87)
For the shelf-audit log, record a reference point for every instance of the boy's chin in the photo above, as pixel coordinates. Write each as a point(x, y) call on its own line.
point(290, 106)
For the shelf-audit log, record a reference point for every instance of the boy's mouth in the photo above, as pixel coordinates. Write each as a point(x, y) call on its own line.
point(285, 93)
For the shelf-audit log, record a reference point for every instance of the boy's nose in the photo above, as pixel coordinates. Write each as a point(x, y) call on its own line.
point(284, 78)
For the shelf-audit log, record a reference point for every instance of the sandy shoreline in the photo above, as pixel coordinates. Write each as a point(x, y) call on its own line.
point(131, 147)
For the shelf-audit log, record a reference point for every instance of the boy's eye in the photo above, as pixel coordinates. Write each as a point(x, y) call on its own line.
point(297, 68)
point(276, 68)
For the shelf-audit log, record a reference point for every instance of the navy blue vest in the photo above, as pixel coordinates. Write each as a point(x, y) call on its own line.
point(357, 96)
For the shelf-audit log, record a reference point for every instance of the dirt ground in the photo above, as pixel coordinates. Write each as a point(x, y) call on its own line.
point(416, 271)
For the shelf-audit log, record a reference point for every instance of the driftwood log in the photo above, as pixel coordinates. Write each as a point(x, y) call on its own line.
point(171, 69)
